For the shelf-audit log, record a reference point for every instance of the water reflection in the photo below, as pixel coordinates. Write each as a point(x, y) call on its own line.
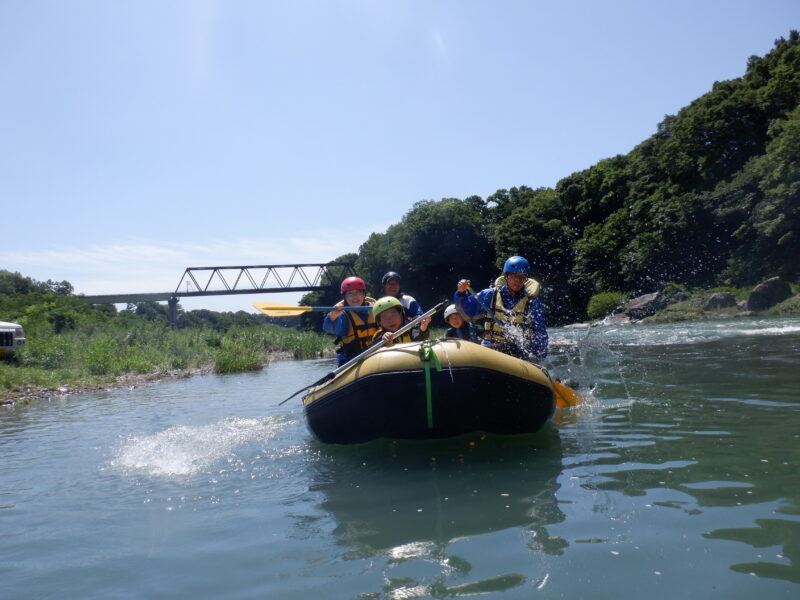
point(768, 533)
point(407, 501)
point(737, 451)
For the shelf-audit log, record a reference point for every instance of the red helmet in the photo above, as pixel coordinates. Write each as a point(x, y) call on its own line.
point(353, 283)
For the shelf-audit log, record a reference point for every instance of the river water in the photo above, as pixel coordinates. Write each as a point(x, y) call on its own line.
point(678, 477)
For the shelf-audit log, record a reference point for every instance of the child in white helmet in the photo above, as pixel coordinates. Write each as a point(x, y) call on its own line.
point(459, 327)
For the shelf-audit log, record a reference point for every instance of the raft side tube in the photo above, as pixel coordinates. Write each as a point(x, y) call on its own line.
point(394, 404)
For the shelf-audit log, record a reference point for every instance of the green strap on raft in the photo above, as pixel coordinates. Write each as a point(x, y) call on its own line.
point(428, 355)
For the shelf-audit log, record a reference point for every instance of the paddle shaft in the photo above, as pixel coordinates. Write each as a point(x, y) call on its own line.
point(330, 308)
point(369, 350)
point(278, 309)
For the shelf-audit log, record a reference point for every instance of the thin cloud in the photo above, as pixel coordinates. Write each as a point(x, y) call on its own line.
point(202, 19)
point(440, 45)
point(151, 266)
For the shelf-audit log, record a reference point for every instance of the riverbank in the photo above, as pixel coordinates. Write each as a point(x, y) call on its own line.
point(51, 365)
point(65, 385)
point(695, 310)
point(32, 392)
point(771, 298)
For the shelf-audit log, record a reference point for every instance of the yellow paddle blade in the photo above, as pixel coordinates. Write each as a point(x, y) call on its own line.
point(277, 309)
point(565, 396)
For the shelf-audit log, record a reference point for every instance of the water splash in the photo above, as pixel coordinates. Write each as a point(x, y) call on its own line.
point(185, 450)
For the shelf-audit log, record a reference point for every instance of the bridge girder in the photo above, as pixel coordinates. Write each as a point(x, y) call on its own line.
point(249, 279)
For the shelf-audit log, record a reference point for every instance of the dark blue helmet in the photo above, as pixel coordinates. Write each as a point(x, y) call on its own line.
point(390, 275)
point(516, 264)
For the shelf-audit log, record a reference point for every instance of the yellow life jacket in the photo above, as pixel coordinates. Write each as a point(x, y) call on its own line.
point(360, 330)
point(532, 286)
point(415, 334)
point(517, 317)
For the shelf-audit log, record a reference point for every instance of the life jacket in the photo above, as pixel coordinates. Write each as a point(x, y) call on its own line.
point(465, 332)
point(412, 335)
point(360, 331)
point(517, 318)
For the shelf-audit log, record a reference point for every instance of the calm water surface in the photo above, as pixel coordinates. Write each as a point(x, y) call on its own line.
point(678, 477)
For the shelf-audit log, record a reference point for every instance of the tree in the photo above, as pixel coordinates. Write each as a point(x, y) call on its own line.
point(538, 229)
point(434, 245)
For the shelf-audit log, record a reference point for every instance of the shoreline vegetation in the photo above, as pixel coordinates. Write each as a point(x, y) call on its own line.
point(62, 365)
point(72, 346)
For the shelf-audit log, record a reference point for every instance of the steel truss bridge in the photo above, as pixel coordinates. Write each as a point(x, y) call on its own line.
point(250, 279)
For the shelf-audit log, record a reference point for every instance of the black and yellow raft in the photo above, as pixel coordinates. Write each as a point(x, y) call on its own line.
point(433, 389)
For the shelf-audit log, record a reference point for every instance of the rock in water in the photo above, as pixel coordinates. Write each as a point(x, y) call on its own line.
point(644, 306)
point(720, 300)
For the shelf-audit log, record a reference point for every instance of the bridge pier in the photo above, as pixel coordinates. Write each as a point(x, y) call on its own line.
point(173, 311)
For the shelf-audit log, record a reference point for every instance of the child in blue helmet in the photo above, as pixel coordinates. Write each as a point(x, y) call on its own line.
point(513, 315)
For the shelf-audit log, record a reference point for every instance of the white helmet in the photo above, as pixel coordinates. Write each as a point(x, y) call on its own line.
point(450, 310)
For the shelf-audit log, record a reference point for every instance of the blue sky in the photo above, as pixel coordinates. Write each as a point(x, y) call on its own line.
point(141, 138)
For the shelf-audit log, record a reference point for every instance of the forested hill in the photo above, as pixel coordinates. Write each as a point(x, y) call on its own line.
point(711, 198)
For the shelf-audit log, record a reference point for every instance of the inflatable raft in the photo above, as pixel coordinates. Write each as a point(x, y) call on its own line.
point(433, 389)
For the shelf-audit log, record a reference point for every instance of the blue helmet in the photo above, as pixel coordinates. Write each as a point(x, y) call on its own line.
point(516, 264)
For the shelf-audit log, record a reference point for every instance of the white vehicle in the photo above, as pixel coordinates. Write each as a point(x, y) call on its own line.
point(11, 337)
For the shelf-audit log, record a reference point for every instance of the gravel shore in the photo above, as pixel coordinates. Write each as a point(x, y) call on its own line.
point(10, 398)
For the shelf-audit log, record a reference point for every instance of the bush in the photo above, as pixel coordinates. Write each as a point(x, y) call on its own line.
point(237, 357)
point(604, 303)
point(102, 356)
point(47, 352)
point(790, 306)
point(672, 290)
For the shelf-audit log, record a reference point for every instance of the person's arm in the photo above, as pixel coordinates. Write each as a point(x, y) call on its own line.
point(414, 309)
point(335, 326)
point(424, 330)
point(540, 338)
point(464, 300)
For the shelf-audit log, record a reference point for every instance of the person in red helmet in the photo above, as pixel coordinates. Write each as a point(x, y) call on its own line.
point(354, 329)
